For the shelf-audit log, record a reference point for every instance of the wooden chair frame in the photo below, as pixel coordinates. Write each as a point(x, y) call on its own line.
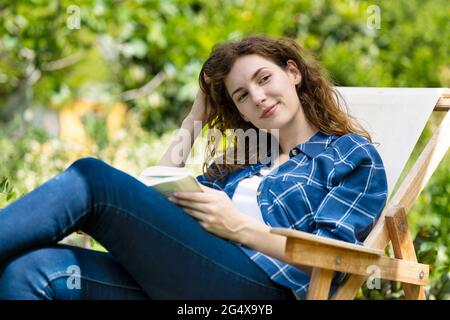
point(326, 256)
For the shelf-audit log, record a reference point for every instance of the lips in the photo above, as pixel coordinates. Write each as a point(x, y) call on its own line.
point(269, 111)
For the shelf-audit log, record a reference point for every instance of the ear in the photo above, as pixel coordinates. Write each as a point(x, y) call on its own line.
point(293, 70)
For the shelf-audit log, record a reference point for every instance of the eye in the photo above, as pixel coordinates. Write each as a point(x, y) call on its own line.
point(264, 79)
point(242, 97)
point(261, 81)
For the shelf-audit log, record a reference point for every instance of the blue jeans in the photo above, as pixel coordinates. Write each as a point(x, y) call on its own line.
point(155, 249)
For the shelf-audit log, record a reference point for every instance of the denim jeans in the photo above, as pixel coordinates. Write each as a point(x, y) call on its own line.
point(155, 249)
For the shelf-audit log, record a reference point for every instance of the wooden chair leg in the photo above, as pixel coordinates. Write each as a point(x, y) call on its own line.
point(402, 244)
point(320, 284)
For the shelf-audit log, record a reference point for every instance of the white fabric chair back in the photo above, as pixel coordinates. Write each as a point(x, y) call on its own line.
point(395, 118)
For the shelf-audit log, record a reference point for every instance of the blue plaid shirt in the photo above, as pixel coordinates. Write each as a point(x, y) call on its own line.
point(332, 186)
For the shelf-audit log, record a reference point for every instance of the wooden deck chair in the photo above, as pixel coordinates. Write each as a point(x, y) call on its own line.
point(395, 117)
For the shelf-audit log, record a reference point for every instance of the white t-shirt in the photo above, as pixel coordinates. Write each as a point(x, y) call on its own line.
point(244, 197)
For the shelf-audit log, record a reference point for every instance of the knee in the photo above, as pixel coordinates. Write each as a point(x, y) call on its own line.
point(27, 277)
point(88, 164)
point(91, 169)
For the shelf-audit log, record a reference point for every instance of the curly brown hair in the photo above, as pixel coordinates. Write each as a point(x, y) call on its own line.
point(322, 104)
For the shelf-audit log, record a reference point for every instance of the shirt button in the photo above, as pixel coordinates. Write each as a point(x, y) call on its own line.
point(294, 152)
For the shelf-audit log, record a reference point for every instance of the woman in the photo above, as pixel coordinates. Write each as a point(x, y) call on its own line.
point(325, 178)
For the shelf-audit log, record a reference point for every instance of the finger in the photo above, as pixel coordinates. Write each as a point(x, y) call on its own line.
point(192, 196)
point(203, 224)
point(200, 216)
point(207, 79)
point(188, 204)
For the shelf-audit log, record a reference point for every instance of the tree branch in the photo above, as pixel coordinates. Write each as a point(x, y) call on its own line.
point(62, 63)
point(144, 90)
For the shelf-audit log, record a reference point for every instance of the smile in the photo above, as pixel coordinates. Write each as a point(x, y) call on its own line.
point(270, 111)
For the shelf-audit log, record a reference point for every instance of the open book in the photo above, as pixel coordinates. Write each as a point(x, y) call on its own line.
point(169, 179)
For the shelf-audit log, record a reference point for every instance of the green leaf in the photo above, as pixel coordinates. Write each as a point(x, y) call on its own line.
point(11, 196)
point(3, 183)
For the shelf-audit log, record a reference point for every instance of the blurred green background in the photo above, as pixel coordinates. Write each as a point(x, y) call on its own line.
point(113, 79)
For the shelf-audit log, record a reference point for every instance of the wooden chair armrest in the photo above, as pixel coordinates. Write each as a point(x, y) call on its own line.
point(290, 233)
point(305, 249)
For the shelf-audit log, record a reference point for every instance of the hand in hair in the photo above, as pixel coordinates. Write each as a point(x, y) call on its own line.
point(200, 108)
point(199, 111)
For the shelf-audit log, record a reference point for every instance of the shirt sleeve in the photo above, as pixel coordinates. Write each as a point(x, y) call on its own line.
point(357, 196)
point(215, 184)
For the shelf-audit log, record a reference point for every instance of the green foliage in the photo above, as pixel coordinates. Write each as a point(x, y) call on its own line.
point(6, 190)
point(128, 43)
point(96, 128)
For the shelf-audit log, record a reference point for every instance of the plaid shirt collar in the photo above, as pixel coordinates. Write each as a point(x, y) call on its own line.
point(313, 147)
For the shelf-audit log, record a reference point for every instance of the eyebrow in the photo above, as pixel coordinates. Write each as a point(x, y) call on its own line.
point(253, 77)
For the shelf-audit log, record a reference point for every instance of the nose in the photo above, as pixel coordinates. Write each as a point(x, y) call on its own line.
point(259, 96)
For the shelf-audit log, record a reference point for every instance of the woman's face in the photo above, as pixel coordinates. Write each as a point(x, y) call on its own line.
point(257, 85)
